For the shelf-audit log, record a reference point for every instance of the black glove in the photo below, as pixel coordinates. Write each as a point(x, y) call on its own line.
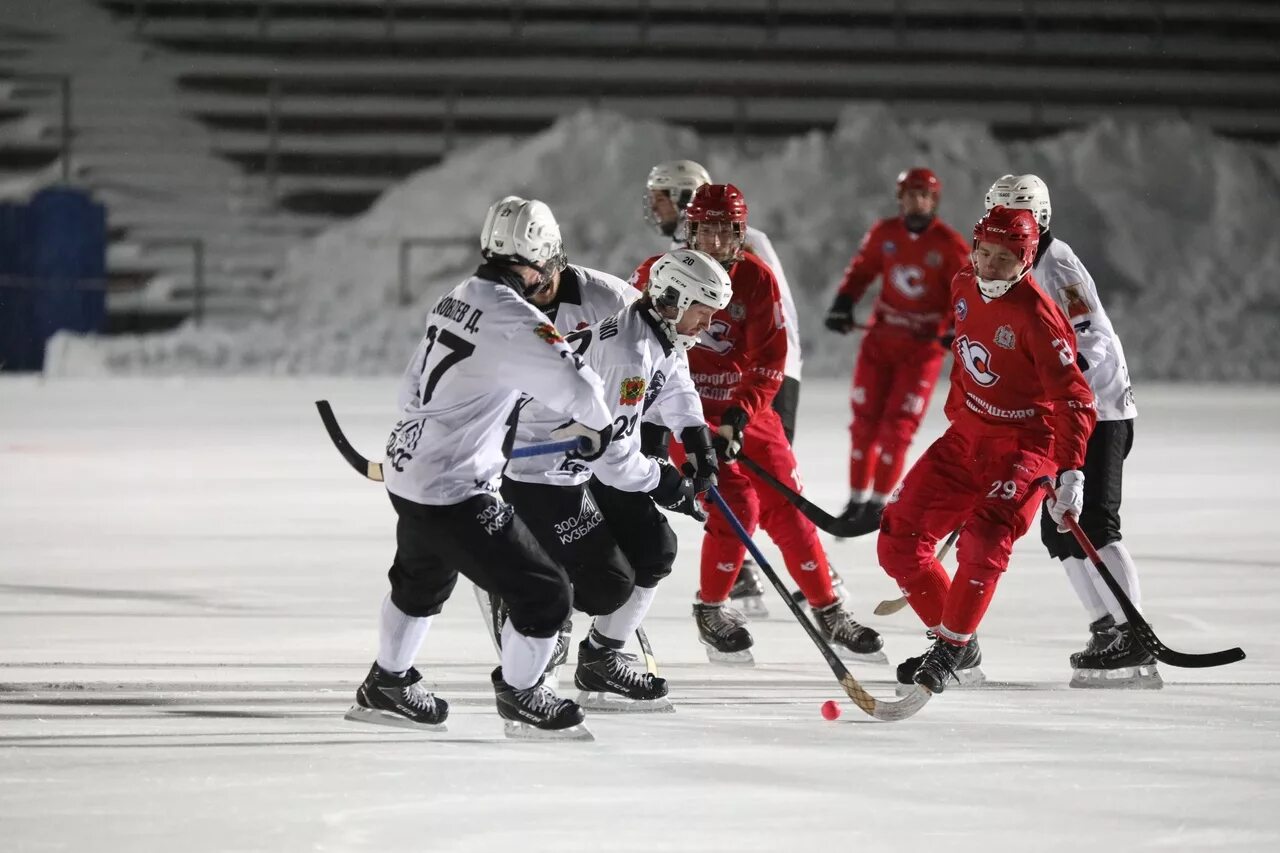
point(840, 314)
point(704, 466)
point(653, 440)
point(596, 440)
point(947, 339)
point(728, 436)
point(676, 493)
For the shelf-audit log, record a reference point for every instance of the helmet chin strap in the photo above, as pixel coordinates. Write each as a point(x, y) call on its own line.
point(994, 288)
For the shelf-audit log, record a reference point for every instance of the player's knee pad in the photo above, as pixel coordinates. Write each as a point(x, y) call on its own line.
point(420, 594)
point(656, 565)
point(1100, 525)
point(603, 596)
point(901, 555)
point(985, 546)
point(538, 610)
point(863, 430)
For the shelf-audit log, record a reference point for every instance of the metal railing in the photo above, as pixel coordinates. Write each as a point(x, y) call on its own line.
point(407, 245)
point(63, 82)
point(196, 245)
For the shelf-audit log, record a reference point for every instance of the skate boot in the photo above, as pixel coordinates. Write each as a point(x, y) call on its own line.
point(609, 683)
point(941, 662)
point(868, 519)
point(1123, 663)
point(852, 641)
point(723, 631)
point(538, 713)
point(968, 672)
point(1101, 632)
point(398, 700)
point(748, 593)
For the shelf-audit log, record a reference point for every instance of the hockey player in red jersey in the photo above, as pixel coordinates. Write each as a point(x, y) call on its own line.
point(1020, 409)
point(916, 255)
point(737, 367)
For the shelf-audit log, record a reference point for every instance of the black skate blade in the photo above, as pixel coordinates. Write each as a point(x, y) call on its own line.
point(376, 717)
point(599, 700)
point(1141, 677)
point(751, 606)
point(964, 679)
point(516, 730)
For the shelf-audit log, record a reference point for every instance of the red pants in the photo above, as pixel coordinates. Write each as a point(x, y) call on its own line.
point(892, 383)
point(756, 504)
point(981, 482)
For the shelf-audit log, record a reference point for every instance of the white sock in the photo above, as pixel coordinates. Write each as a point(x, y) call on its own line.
point(1122, 567)
point(1081, 575)
point(623, 622)
point(880, 497)
point(524, 659)
point(400, 637)
point(859, 495)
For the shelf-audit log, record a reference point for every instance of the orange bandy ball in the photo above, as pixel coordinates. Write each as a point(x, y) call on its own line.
point(830, 710)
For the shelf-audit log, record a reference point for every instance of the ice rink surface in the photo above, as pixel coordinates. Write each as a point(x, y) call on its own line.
point(190, 579)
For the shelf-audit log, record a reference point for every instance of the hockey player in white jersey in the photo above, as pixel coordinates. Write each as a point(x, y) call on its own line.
point(668, 191)
point(1112, 657)
point(598, 519)
point(484, 345)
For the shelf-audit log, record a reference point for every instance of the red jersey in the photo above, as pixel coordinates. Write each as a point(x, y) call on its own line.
point(739, 360)
point(1016, 368)
point(917, 271)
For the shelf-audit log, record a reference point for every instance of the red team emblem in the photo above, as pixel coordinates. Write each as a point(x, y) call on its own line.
point(976, 359)
point(632, 391)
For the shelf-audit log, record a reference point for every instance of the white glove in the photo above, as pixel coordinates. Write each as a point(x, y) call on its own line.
point(1068, 497)
point(594, 440)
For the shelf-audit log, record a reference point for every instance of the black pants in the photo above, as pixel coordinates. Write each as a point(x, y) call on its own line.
point(786, 403)
point(484, 539)
point(607, 540)
point(1103, 472)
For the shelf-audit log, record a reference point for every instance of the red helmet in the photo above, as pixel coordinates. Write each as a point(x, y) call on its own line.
point(1016, 230)
point(717, 203)
point(919, 179)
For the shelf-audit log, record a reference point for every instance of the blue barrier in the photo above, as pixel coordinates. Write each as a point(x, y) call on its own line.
point(53, 257)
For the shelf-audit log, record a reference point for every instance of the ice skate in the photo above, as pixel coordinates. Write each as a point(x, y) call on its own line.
point(966, 673)
point(723, 631)
point(537, 713)
point(399, 701)
point(1101, 633)
point(943, 661)
point(494, 612)
point(867, 518)
point(608, 682)
point(853, 642)
point(748, 593)
point(1122, 664)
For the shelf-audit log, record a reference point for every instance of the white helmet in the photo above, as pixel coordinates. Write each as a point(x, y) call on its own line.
point(522, 232)
point(679, 179)
point(1022, 192)
point(679, 279)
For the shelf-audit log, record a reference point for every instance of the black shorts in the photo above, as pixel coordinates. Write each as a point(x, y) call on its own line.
point(786, 403)
point(641, 531)
point(484, 539)
point(1103, 474)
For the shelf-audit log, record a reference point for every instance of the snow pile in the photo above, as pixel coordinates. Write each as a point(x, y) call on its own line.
point(1173, 222)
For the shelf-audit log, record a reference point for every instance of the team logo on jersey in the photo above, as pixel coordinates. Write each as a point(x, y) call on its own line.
point(716, 337)
point(1005, 338)
point(908, 280)
point(933, 259)
point(548, 333)
point(632, 391)
point(962, 308)
point(977, 361)
point(1075, 301)
point(736, 311)
point(888, 247)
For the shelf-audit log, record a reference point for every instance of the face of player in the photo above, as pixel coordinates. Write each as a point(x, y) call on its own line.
point(546, 295)
point(917, 203)
point(720, 240)
point(696, 319)
point(995, 262)
point(664, 210)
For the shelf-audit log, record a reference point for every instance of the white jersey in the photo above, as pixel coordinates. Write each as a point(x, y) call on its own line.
point(586, 297)
point(1061, 275)
point(484, 345)
point(642, 374)
point(759, 244)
